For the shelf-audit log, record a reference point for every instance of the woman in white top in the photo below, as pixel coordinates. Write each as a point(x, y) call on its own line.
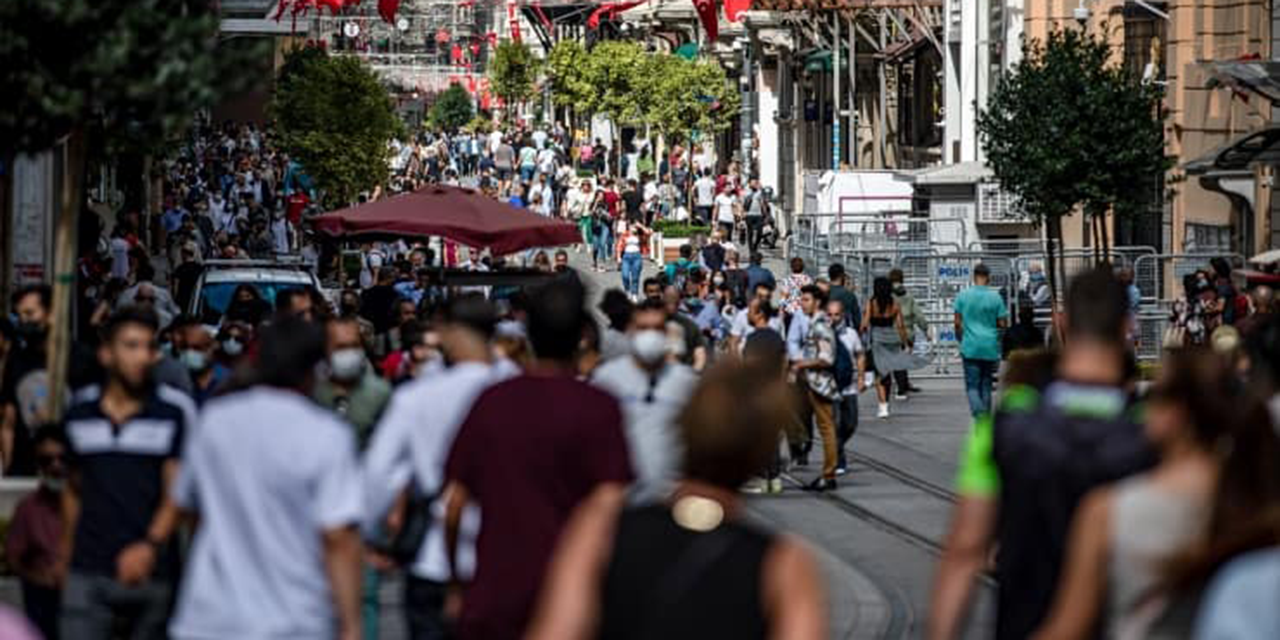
point(630, 258)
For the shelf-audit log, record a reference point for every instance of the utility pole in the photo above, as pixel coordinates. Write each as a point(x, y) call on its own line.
point(747, 112)
point(835, 93)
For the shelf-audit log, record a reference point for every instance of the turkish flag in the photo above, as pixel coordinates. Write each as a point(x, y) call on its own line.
point(708, 13)
point(387, 9)
point(610, 10)
point(733, 9)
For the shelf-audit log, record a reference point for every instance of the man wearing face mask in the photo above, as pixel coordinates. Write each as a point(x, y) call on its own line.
point(349, 308)
point(26, 358)
point(352, 388)
point(652, 388)
point(32, 545)
point(207, 375)
point(233, 338)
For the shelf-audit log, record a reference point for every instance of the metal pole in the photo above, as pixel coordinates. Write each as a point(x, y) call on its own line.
point(835, 94)
point(747, 112)
point(853, 95)
point(883, 106)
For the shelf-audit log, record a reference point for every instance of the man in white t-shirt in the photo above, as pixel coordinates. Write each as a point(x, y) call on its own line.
point(704, 197)
point(652, 388)
point(275, 482)
point(727, 212)
point(412, 443)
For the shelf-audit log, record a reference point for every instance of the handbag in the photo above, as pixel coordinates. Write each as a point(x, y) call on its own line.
point(1175, 337)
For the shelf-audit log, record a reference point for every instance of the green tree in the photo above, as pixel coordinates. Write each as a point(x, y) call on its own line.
point(453, 108)
point(567, 71)
point(615, 71)
point(334, 116)
point(89, 77)
point(684, 95)
point(1103, 130)
point(513, 73)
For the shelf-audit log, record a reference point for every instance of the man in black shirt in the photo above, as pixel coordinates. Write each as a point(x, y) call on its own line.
point(185, 277)
point(22, 374)
point(633, 200)
point(124, 447)
point(1026, 468)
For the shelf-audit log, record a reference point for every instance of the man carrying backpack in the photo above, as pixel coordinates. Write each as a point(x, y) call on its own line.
point(817, 365)
point(849, 368)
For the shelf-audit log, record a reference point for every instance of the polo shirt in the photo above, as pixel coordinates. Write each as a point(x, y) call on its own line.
point(268, 471)
point(121, 471)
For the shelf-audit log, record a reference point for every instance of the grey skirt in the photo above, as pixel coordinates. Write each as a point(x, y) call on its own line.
point(889, 354)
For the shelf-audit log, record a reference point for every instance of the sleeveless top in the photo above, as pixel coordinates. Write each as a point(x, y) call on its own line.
point(1148, 525)
point(631, 243)
point(878, 320)
point(665, 582)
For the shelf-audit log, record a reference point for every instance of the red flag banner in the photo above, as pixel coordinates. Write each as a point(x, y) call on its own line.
point(733, 9)
point(387, 9)
point(708, 14)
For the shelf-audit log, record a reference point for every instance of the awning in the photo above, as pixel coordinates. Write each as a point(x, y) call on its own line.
point(463, 215)
point(1255, 76)
point(1243, 153)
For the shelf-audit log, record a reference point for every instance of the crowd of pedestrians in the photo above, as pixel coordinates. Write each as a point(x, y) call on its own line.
point(261, 473)
point(1114, 507)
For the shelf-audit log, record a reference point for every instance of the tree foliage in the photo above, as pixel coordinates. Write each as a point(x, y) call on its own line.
point(334, 116)
point(513, 73)
point(685, 95)
point(1068, 128)
point(453, 109)
point(125, 73)
point(635, 87)
point(570, 80)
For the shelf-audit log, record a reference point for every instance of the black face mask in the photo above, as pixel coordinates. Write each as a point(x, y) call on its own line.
point(899, 290)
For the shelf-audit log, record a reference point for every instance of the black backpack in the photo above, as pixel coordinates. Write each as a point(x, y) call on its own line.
point(844, 369)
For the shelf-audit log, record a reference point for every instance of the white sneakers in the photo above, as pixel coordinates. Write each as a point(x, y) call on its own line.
point(884, 411)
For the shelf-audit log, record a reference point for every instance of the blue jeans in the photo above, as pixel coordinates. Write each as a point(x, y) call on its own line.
point(977, 383)
point(631, 264)
point(604, 244)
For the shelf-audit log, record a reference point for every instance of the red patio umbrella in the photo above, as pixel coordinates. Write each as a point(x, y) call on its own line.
point(463, 215)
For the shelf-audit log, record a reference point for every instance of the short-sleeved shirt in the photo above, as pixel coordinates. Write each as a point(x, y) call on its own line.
point(705, 191)
point(981, 308)
point(528, 470)
point(121, 468)
point(650, 403)
point(724, 208)
point(269, 472)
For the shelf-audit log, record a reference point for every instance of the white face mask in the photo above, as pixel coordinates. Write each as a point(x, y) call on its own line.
point(232, 347)
point(346, 364)
point(649, 345)
point(195, 360)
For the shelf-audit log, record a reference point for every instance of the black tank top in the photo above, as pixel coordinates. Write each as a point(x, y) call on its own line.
point(666, 582)
point(878, 320)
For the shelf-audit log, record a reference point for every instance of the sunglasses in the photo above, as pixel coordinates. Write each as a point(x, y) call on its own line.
point(46, 459)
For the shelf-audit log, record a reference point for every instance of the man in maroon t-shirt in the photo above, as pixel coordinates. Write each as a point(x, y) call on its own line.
point(531, 449)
